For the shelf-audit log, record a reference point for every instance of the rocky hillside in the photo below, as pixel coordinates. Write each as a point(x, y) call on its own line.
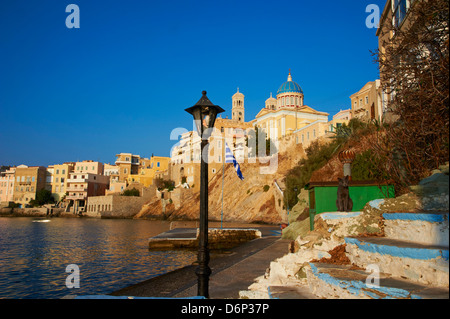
point(249, 200)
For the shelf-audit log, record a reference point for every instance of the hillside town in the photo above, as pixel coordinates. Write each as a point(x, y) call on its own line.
point(282, 119)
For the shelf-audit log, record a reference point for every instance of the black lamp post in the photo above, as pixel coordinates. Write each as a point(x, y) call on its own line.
point(204, 113)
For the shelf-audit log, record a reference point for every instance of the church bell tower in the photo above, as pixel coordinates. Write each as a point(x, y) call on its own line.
point(237, 109)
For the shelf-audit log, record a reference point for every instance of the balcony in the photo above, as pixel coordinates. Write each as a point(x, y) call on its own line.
point(76, 180)
point(76, 189)
point(77, 196)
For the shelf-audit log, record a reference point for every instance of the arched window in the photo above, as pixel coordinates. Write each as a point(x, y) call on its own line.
point(292, 100)
point(282, 101)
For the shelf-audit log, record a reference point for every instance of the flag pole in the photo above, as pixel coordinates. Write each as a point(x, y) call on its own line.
point(223, 175)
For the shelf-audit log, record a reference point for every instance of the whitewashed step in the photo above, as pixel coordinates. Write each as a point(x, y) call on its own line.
point(426, 264)
point(423, 227)
point(340, 282)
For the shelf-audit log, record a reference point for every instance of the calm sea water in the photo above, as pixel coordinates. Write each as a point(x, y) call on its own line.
point(110, 254)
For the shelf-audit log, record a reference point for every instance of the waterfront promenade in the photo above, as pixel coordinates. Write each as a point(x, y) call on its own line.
point(232, 271)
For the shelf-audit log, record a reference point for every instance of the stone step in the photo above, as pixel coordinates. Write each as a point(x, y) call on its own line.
point(426, 264)
point(343, 282)
point(422, 227)
point(290, 292)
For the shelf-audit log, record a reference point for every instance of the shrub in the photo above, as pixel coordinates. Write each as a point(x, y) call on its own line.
point(131, 192)
point(368, 166)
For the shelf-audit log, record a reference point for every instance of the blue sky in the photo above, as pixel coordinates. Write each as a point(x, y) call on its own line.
point(121, 82)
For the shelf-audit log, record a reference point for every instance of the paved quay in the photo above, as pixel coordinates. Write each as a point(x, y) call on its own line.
point(232, 271)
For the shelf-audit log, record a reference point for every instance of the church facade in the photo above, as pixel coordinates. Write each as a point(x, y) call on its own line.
point(287, 114)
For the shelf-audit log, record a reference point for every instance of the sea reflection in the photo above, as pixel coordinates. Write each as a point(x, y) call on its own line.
point(111, 254)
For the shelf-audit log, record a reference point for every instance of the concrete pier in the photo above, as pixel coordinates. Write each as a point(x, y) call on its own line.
point(187, 238)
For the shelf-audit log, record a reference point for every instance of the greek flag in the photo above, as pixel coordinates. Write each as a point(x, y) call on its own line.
point(229, 158)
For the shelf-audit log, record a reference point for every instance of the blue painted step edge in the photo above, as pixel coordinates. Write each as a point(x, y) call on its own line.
point(357, 287)
point(402, 252)
point(430, 217)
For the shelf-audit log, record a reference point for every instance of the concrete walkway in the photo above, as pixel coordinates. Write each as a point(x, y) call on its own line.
point(226, 282)
point(231, 272)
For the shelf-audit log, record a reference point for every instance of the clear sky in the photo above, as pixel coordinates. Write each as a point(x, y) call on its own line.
point(121, 82)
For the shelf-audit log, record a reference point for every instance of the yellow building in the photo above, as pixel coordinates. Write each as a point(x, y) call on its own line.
point(28, 180)
point(59, 179)
point(148, 170)
point(287, 113)
point(367, 103)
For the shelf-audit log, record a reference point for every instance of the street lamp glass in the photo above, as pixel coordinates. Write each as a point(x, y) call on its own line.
point(204, 113)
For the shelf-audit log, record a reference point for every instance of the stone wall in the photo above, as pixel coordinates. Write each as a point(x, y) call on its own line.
point(179, 194)
point(30, 212)
point(116, 206)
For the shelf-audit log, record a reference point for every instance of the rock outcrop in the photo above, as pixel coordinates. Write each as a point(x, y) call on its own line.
point(255, 199)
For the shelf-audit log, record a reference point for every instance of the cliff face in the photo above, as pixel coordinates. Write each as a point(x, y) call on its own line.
point(249, 200)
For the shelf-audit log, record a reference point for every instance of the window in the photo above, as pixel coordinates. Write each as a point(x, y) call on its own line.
point(57, 180)
point(63, 171)
point(360, 102)
point(158, 164)
point(296, 100)
point(18, 178)
point(307, 136)
point(57, 171)
point(292, 100)
point(400, 7)
point(282, 101)
point(367, 100)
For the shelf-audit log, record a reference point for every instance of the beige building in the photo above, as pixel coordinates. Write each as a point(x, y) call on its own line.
point(86, 180)
point(28, 181)
point(340, 118)
point(396, 15)
point(367, 103)
point(7, 185)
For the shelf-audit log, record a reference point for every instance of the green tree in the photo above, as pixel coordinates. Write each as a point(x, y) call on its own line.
point(43, 197)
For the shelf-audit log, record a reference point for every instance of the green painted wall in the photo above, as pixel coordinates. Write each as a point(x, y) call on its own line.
point(325, 196)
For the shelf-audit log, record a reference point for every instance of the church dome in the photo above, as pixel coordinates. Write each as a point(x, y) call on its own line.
point(289, 86)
